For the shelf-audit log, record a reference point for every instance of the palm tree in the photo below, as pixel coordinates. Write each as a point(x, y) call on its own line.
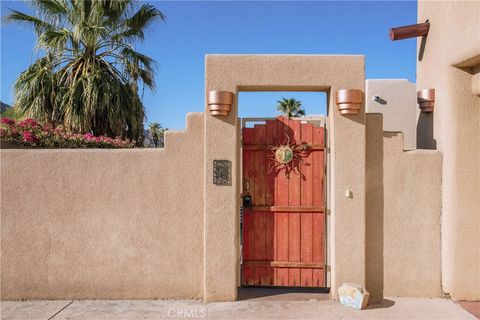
point(290, 107)
point(154, 130)
point(157, 133)
point(88, 74)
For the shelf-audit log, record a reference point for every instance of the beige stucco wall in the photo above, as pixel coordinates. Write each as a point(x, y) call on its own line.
point(398, 105)
point(412, 200)
point(403, 216)
point(454, 129)
point(92, 224)
point(347, 137)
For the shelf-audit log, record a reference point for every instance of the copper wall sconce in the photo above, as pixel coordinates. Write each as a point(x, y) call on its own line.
point(426, 100)
point(219, 102)
point(349, 100)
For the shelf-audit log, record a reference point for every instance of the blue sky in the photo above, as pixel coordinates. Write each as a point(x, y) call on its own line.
point(194, 29)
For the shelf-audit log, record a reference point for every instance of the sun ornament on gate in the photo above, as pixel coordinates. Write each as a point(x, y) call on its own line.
point(287, 156)
point(284, 154)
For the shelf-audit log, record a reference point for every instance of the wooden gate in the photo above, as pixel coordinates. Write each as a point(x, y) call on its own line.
point(283, 228)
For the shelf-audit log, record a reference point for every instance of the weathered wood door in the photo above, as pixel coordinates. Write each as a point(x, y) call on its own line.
point(283, 231)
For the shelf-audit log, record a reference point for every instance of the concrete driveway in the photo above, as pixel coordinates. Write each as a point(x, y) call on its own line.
point(392, 308)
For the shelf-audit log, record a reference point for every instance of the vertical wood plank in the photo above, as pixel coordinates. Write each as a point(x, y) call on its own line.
point(247, 247)
point(318, 167)
point(248, 136)
point(248, 231)
point(318, 275)
point(259, 199)
point(270, 140)
point(280, 177)
point(306, 247)
point(269, 255)
point(306, 198)
point(281, 233)
point(260, 170)
point(306, 167)
point(294, 132)
point(260, 241)
point(294, 247)
point(294, 223)
point(281, 218)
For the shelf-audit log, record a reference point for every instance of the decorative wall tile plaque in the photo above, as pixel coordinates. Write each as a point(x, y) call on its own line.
point(222, 172)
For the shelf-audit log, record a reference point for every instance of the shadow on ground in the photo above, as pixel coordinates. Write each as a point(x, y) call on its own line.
point(283, 294)
point(385, 303)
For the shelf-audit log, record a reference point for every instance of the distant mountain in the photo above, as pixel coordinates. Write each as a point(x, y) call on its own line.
point(4, 107)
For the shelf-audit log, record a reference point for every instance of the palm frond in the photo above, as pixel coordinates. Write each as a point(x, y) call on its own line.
point(137, 24)
point(139, 66)
point(52, 8)
point(38, 24)
point(144, 16)
point(54, 40)
point(133, 55)
point(35, 90)
point(115, 9)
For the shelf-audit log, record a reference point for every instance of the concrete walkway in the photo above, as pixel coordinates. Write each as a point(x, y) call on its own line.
point(394, 308)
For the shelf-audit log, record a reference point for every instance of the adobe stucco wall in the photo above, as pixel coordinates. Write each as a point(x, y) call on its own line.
point(412, 198)
point(92, 224)
point(149, 223)
point(454, 129)
point(403, 216)
point(397, 103)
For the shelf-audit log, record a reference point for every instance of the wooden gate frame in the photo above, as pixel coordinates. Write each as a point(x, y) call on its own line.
point(326, 192)
point(347, 139)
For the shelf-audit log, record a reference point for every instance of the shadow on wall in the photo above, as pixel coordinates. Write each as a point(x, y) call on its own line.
point(354, 117)
point(421, 50)
point(374, 208)
point(425, 138)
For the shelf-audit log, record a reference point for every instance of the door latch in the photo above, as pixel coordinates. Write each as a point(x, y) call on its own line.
point(247, 201)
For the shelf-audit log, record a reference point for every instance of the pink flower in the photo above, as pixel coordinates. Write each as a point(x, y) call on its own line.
point(88, 136)
point(28, 123)
point(29, 137)
point(8, 121)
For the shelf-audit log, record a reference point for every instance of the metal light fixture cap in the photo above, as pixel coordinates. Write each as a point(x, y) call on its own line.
point(426, 100)
point(219, 102)
point(349, 101)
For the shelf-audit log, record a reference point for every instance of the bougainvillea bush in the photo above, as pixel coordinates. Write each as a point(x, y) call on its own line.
point(30, 133)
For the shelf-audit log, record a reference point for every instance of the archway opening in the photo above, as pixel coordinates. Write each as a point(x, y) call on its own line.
point(283, 221)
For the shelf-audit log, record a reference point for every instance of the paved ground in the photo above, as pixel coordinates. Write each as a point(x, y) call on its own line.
point(398, 308)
